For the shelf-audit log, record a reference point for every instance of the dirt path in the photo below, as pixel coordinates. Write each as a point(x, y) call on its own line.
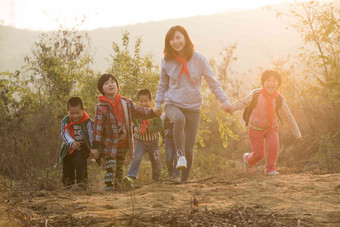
point(310, 200)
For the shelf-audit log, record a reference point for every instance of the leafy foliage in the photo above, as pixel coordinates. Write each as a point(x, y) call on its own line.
point(133, 70)
point(311, 81)
point(319, 26)
point(33, 100)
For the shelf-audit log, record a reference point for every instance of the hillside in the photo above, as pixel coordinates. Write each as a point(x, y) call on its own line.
point(258, 32)
point(238, 200)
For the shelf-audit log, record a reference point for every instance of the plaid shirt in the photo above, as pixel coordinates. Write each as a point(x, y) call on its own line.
point(106, 128)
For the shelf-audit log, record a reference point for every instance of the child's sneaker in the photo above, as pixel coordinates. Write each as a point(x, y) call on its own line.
point(272, 173)
point(109, 188)
point(182, 162)
point(247, 168)
point(173, 178)
point(128, 183)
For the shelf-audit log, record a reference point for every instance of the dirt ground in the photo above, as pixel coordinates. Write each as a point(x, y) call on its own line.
point(284, 200)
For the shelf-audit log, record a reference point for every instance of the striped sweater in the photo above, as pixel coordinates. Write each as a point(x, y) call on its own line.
point(87, 132)
point(152, 131)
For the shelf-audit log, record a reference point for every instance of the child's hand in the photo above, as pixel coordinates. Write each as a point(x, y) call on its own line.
point(75, 145)
point(94, 153)
point(157, 111)
point(228, 108)
point(138, 130)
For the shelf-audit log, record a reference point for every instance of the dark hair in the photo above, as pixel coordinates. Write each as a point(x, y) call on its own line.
point(103, 78)
point(268, 73)
point(146, 92)
point(170, 53)
point(75, 101)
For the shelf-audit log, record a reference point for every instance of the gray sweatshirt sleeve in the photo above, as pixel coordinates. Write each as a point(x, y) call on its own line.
point(163, 85)
point(213, 83)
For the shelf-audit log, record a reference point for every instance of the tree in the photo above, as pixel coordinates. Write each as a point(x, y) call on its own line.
point(319, 26)
point(16, 104)
point(217, 122)
point(134, 71)
point(57, 63)
point(33, 102)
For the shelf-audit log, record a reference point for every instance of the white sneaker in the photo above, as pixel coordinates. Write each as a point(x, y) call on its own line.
point(182, 162)
point(247, 168)
point(272, 173)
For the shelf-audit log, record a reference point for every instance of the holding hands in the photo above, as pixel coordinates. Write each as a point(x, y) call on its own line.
point(157, 110)
point(138, 130)
point(228, 108)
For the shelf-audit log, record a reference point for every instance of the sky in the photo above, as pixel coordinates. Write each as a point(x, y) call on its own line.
point(49, 14)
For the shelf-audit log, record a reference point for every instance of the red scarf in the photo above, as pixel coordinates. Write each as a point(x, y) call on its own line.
point(184, 68)
point(70, 128)
point(144, 125)
point(116, 106)
point(270, 109)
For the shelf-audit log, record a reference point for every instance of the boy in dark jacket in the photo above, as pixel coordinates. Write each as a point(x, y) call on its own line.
point(76, 133)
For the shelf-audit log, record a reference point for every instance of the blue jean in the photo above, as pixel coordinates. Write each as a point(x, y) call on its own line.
point(141, 148)
point(170, 156)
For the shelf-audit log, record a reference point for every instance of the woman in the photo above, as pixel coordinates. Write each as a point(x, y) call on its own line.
point(179, 87)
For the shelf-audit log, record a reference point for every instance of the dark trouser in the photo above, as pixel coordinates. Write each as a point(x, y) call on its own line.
point(75, 167)
point(186, 124)
point(114, 170)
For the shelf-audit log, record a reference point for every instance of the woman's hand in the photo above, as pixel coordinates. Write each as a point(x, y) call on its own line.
point(228, 108)
point(157, 110)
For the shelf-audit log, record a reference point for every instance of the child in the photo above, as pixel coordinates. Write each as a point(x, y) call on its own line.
point(263, 122)
point(76, 132)
point(170, 151)
point(112, 133)
point(146, 140)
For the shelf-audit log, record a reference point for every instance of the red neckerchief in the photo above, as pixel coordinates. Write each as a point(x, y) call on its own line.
point(270, 109)
point(70, 128)
point(144, 125)
point(184, 68)
point(116, 106)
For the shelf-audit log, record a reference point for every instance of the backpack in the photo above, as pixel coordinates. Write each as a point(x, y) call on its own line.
point(248, 110)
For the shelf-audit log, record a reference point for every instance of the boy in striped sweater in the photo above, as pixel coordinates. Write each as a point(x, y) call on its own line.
point(146, 133)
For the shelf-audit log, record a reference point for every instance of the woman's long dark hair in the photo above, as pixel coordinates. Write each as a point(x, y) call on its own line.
point(169, 53)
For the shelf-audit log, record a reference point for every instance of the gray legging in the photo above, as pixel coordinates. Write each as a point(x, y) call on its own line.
point(186, 124)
